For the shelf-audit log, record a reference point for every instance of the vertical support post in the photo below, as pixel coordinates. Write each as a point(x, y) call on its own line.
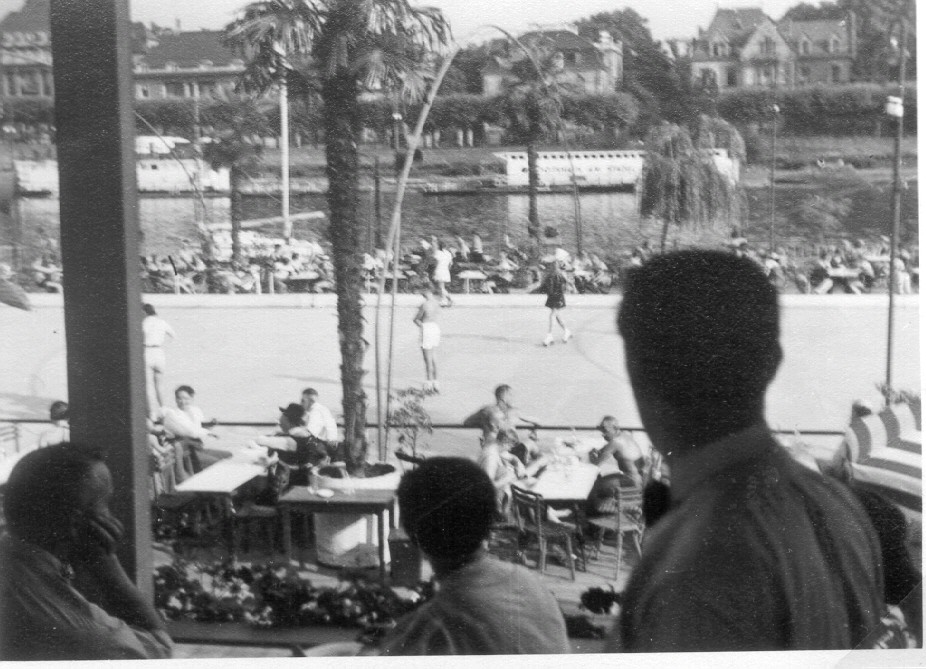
point(99, 246)
point(377, 242)
point(895, 205)
point(284, 159)
point(772, 176)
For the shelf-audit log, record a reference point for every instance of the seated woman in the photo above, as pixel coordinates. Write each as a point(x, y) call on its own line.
point(501, 470)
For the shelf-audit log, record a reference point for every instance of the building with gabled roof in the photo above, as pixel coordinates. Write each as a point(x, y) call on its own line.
point(188, 64)
point(743, 47)
point(167, 63)
point(824, 50)
point(586, 66)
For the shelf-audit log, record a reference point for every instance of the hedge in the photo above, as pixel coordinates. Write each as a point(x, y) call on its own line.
point(819, 110)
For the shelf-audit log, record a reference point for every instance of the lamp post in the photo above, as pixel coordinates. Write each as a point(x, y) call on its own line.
point(894, 109)
point(775, 109)
point(396, 130)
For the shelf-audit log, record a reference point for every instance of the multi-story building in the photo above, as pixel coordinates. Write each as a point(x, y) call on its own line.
point(167, 63)
point(744, 47)
point(25, 52)
point(584, 66)
point(185, 65)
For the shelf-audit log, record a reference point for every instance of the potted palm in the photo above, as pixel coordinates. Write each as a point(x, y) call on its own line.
point(339, 49)
point(349, 540)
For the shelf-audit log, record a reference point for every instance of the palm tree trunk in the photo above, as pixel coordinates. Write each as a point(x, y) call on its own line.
point(341, 135)
point(236, 180)
point(533, 182)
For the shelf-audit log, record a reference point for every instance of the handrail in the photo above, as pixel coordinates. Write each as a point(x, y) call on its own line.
point(456, 426)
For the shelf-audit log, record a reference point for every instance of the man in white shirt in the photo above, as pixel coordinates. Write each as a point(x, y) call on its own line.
point(60, 433)
point(156, 331)
point(318, 418)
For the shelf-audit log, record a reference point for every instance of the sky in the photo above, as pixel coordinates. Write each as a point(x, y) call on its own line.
point(667, 18)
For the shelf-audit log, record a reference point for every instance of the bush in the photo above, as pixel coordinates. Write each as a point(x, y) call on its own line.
point(818, 110)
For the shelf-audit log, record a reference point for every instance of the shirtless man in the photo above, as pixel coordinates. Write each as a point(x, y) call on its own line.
point(620, 452)
point(426, 319)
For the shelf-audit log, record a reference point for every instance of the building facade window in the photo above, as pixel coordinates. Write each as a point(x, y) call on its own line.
point(835, 44)
point(731, 77)
point(29, 83)
point(768, 47)
point(835, 73)
point(803, 74)
point(174, 89)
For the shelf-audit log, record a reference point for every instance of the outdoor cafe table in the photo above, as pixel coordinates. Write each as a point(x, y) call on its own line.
point(361, 502)
point(223, 480)
point(471, 275)
point(566, 483)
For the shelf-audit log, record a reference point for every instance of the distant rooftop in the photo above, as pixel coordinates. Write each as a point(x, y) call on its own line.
point(189, 49)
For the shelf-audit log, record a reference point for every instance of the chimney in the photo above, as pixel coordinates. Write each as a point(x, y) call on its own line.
point(178, 24)
point(604, 38)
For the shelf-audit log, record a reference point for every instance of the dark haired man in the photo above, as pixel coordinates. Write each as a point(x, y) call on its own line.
point(757, 552)
point(57, 507)
point(60, 432)
point(482, 606)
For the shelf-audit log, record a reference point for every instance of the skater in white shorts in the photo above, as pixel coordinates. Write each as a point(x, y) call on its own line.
point(426, 319)
point(156, 333)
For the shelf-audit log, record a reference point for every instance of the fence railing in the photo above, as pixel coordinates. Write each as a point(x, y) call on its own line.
point(445, 438)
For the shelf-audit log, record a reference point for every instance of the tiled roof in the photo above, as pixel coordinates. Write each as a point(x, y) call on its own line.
point(558, 39)
point(730, 21)
point(816, 31)
point(188, 49)
point(33, 17)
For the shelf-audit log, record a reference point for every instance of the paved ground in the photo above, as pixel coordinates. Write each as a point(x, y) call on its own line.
point(246, 356)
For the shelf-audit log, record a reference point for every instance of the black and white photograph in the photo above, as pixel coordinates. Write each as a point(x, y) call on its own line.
point(338, 328)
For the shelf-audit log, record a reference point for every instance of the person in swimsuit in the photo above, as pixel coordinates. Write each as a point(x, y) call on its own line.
point(426, 320)
point(554, 285)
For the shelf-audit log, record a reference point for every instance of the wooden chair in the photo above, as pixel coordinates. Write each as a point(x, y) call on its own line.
point(530, 514)
point(9, 439)
point(625, 514)
point(262, 511)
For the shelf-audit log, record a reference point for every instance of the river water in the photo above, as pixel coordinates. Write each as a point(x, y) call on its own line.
point(610, 222)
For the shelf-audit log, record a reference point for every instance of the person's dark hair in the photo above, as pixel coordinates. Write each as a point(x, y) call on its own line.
point(701, 331)
point(185, 389)
point(149, 309)
point(310, 391)
point(900, 573)
point(501, 390)
point(45, 484)
point(58, 410)
point(295, 413)
point(447, 506)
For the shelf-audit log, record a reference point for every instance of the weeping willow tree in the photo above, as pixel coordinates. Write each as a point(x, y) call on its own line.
point(682, 183)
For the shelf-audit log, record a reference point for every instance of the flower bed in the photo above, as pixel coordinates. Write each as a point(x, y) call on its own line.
point(272, 595)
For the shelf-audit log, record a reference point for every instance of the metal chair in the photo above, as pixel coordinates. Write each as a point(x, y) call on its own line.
point(530, 514)
point(624, 514)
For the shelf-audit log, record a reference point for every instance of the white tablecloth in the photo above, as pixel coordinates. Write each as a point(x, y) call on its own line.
point(566, 483)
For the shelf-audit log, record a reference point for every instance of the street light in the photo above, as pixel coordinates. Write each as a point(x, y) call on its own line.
point(396, 130)
point(894, 109)
point(775, 109)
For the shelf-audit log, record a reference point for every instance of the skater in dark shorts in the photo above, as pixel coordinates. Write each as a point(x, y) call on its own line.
point(554, 285)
